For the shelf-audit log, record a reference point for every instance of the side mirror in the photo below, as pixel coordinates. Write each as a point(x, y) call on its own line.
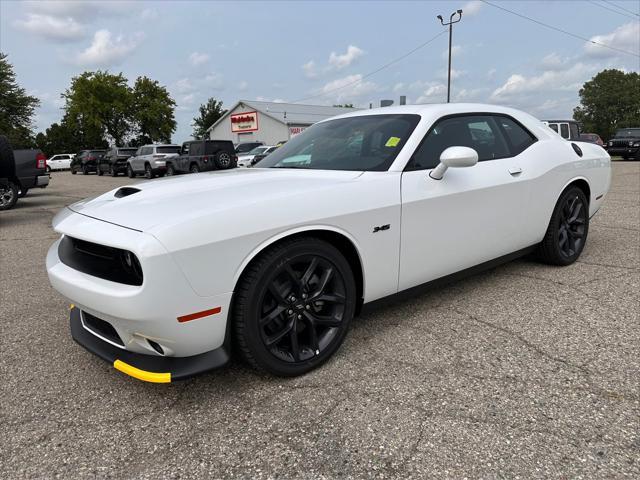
point(454, 157)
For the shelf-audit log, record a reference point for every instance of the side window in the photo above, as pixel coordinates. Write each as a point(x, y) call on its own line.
point(564, 130)
point(518, 137)
point(185, 149)
point(554, 127)
point(480, 132)
point(574, 131)
point(196, 149)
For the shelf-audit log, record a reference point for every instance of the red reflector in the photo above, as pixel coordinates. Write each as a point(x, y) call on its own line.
point(195, 316)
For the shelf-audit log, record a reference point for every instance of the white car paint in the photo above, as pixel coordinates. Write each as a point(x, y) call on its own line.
point(195, 234)
point(153, 155)
point(245, 160)
point(62, 161)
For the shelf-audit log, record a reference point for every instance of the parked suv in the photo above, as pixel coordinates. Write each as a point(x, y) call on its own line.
point(625, 143)
point(62, 161)
point(247, 147)
point(150, 160)
point(86, 161)
point(115, 160)
point(203, 155)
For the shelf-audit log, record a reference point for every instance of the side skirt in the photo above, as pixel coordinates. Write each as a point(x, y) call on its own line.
point(442, 281)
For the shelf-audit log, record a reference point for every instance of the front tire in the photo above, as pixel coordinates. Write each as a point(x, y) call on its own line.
point(8, 195)
point(130, 172)
point(112, 171)
point(194, 168)
point(148, 173)
point(293, 306)
point(170, 170)
point(567, 232)
point(85, 170)
point(99, 172)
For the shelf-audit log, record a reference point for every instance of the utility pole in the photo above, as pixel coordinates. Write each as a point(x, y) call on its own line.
point(450, 24)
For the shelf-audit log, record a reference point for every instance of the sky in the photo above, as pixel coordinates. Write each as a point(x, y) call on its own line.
point(322, 52)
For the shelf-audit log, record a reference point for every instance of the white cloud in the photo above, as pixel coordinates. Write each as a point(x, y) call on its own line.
point(197, 58)
point(106, 50)
point(555, 62)
point(347, 89)
point(433, 92)
point(399, 87)
point(50, 27)
point(86, 9)
point(184, 85)
point(340, 61)
point(625, 37)
point(455, 74)
point(309, 69)
point(471, 8)
point(570, 79)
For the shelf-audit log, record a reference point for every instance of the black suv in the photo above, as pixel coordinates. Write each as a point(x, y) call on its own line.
point(86, 161)
point(625, 143)
point(115, 160)
point(203, 155)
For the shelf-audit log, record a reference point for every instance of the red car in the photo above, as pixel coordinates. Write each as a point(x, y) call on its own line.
point(592, 138)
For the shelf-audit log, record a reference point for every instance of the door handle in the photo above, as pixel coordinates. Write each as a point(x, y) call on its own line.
point(515, 171)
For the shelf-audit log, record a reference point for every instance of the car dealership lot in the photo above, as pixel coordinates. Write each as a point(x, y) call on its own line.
point(526, 370)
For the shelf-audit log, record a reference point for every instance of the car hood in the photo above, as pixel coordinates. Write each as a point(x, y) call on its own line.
point(169, 201)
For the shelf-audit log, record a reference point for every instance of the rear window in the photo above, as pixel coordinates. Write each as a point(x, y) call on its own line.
point(171, 149)
point(214, 146)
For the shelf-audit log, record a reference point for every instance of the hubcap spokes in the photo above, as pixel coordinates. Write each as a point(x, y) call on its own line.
point(572, 226)
point(302, 308)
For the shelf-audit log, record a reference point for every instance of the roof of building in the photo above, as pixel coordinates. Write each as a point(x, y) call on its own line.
point(289, 113)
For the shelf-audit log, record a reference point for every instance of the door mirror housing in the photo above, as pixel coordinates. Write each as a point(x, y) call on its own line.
point(454, 157)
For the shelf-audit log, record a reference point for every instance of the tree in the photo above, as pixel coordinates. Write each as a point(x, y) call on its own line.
point(210, 112)
point(608, 101)
point(152, 112)
point(16, 108)
point(100, 102)
point(63, 138)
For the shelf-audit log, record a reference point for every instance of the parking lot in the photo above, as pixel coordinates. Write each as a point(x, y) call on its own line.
point(524, 371)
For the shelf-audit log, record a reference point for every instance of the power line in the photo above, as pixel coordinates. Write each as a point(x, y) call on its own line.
point(610, 9)
point(386, 65)
point(561, 30)
point(621, 8)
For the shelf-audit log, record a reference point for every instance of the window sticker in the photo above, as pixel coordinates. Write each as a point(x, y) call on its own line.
point(392, 142)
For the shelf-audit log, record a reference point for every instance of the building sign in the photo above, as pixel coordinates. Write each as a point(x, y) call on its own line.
point(244, 122)
point(293, 131)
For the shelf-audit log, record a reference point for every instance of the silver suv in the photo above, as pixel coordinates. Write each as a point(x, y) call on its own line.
point(150, 160)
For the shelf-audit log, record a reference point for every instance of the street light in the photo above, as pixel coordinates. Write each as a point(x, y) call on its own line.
point(450, 23)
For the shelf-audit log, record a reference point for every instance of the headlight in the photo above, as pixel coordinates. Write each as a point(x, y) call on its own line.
point(636, 144)
point(611, 144)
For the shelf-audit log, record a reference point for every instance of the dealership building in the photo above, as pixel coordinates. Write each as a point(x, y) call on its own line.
point(268, 122)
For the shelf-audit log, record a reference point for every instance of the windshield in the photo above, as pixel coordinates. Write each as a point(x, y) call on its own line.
point(628, 132)
point(257, 151)
point(362, 143)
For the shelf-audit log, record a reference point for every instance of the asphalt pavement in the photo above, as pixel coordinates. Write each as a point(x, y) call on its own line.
point(525, 371)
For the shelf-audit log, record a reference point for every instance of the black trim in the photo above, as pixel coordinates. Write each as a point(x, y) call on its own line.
point(447, 279)
point(470, 114)
point(101, 327)
point(180, 368)
point(109, 263)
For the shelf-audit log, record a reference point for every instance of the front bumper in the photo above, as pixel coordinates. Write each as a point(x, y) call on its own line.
point(148, 368)
point(621, 151)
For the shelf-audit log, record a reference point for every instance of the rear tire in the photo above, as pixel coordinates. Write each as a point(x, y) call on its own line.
point(73, 171)
point(85, 170)
point(112, 171)
point(23, 192)
point(8, 196)
point(99, 172)
point(223, 160)
point(170, 170)
point(568, 228)
point(130, 172)
point(194, 168)
point(293, 306)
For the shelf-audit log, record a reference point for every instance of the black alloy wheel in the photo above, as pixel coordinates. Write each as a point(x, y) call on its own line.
point(567, 232)
point(223, 160)
point(170, 171)
point(293, 306)
point(8, 195)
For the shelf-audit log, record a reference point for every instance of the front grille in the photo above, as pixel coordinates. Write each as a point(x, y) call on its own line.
point(114, 264)
point(620, 143)
point(101, 328)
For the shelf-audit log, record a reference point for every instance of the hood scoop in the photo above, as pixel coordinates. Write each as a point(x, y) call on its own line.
point(125, 192)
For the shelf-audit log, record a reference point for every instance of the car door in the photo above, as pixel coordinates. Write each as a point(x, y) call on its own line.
point(470, 216)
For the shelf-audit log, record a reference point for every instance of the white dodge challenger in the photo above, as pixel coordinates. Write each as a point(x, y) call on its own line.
point(164, 276)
